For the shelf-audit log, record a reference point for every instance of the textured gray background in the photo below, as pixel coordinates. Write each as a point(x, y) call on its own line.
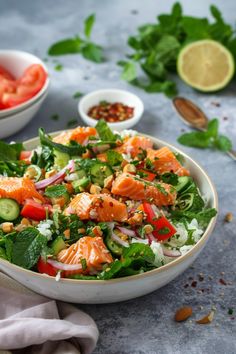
point(143, 325)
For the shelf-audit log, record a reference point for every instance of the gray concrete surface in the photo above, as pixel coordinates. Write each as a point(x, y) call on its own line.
point(144, 325)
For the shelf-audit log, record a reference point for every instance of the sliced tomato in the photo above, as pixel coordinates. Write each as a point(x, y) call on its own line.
point(5, 74)
point(34, 210)
point(163, 229)
point(148, 176)
point(46, 268)
point(28, 86)
point(25, 156)
point(6, 87)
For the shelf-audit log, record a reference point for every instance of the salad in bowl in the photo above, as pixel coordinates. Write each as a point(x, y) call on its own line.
point(92, 204)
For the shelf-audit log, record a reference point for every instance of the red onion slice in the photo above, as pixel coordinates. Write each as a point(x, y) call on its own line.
point(61, 174)
point(126, 231)
point(151, 238)
point(118, 240)
point(170, 253)
point(64, 266)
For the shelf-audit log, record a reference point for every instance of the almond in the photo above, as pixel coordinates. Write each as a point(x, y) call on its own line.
point(183, 313)
point(207, 319)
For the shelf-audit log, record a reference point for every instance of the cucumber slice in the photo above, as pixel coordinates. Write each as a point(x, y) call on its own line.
point(183, 182)
point(113, 246)
point(61, 159)
point(58, 245)
point(99, 172)
point(33, 172)
point(9, 209)
point(80, 184)
point(80, 173)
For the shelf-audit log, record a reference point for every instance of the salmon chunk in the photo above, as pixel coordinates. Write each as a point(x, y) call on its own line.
point(165, 161)
point(92, 249)
point(79, 134)
point(135, 188)
point(19, 189)
point(100, 207)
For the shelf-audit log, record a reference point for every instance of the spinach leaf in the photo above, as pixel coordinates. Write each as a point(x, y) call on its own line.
point(74, 149)
point(203, 217)
point(10, 152)
point(135, 259)
point(55, 191)
point(27, 247)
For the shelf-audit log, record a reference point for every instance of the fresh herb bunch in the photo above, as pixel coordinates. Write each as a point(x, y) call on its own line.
point(207, 139)
point(84, 46)
point(156, 47)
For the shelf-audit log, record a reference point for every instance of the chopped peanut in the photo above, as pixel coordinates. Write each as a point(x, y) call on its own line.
point(50, 173)
point(129, 168)
point(81, 231)
point(7, 227)
point(94, 189)
point(124, 163)
point(148, 229)
point(136, 219)
point(108, 181)
point(25, 222)
point(97, 231)
point(67, 233)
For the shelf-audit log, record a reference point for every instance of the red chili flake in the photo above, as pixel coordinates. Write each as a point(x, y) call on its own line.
point(222, 281)
point(111, 112)
point(194, 284)
point(111, 204)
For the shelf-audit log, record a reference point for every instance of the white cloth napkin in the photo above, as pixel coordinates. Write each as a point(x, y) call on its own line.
point(33, 324)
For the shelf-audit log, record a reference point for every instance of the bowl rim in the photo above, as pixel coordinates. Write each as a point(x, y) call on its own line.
point(31, 101)
point(149, 273)
point(135, 118)
point(13, 114)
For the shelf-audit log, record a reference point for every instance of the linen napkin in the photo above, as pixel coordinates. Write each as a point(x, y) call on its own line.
point(33, 324)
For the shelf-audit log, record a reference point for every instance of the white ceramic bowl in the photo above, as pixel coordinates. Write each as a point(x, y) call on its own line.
point(14, 119)
point(111, 95)
point(114, 290)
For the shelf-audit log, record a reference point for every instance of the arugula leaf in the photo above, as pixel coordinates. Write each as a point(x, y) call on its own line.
point(74, 149)
point(104, 132)
point(66, 46)
point(114, 158)
point(93, 52)
point(27, 247)
point(88, 25)
point(55, 191)
point(207, 139)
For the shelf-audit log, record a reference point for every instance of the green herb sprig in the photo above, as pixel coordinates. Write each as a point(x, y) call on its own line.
point(78, 45)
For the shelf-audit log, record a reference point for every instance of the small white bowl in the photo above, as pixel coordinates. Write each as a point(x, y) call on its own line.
point(16, 62)
point(111, 95)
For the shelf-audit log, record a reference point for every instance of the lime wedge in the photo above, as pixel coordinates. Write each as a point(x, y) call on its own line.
point(205, 65)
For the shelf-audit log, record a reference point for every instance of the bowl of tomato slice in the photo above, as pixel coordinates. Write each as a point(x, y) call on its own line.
point(24, 84)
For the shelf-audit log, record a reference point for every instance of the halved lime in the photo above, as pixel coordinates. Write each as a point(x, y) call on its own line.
point(205, 65)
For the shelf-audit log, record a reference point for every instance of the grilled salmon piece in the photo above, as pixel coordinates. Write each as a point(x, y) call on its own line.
point(79, 134)
point(132, 146)
point(101, 207)
point(19, 189)
point(92, 249)
point(165, 161)
point(136, 188)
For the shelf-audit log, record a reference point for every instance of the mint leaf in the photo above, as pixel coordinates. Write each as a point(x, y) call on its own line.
point(212, 128)
point(77, 94)
point(129, 72)
point(10, 152)
point(55, 191)
point(223, 143)
point(88, 25)
point(92, 52)
point(27, 247)
point(195, 139)
point(66, 46)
